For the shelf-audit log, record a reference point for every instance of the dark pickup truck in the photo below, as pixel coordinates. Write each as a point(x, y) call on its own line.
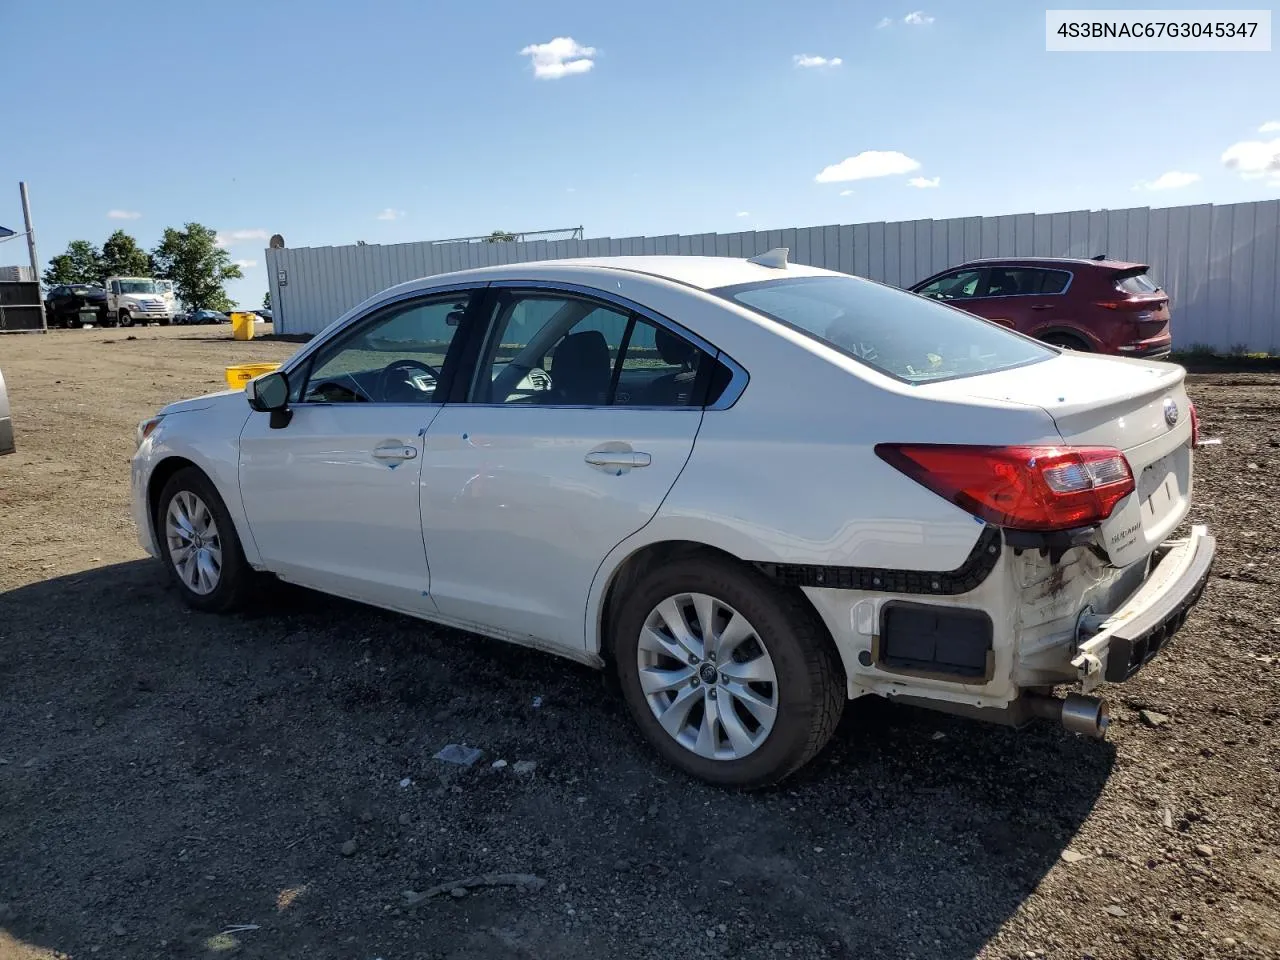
point(75, 304)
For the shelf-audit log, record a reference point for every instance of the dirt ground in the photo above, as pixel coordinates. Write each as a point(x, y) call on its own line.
point(166, 776)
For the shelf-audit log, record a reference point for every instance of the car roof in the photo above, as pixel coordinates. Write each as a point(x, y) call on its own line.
point(705, 273)
point(1107, 263)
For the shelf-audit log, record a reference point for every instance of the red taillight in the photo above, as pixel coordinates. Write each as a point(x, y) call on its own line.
point(1195, 426)
point(1132, 303)
point(1023, 488)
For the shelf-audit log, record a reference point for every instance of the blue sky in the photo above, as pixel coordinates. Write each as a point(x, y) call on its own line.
point(395, 120)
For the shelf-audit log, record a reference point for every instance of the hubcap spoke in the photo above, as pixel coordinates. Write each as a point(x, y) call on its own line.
point(673, 616)
point(704, 609)
point(758, 670)
point(758, 706)
point(676, 715)
point(655, 680)
point(735, 632)
point(654, 642)
point(708, 733)
point(739, 739)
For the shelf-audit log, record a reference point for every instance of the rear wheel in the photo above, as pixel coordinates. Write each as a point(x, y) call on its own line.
point(732, 680)
point(1070, 341)
point(199, 544)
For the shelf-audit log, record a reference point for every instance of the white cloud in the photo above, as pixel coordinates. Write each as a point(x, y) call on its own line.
point(390, 213)
point(1271, 126)
point(924, 183)
point(846, 193)
point(231, 237)
point(559, 58)
point(884, 22)
point(744, 213)
point(808, 60)
point(1254, 158)
point(123, 214)
point(1173, 180)
point(869, 163)
point(245, 264)
point(918, 18)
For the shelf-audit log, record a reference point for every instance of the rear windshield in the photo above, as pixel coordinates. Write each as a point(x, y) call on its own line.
point(906, 336)
point(1137, 285)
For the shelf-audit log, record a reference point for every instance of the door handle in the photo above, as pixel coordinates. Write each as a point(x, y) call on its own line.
point(618, 458)
point(395, 451)
point(1042, 306)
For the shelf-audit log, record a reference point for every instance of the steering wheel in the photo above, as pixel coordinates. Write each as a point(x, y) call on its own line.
point(385, 383)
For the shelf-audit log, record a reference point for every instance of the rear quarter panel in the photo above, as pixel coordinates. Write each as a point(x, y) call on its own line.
point(789, 474)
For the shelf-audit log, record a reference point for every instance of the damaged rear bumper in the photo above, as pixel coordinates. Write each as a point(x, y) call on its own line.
point(1129, 638)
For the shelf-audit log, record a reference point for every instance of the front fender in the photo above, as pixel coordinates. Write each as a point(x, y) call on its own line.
point(209, 438)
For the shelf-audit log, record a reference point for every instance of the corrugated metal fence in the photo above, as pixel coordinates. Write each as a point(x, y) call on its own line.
point(1219, 263)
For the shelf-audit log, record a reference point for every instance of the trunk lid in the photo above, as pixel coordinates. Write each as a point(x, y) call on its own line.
point(1138, 407)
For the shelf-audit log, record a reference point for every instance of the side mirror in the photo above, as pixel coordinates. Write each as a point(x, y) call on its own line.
point(270, 394)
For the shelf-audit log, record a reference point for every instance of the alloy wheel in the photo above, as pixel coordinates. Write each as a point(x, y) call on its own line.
point(195, 548)
point(707, 676)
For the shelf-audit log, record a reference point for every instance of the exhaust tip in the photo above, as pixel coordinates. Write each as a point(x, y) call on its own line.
point(1090, 716)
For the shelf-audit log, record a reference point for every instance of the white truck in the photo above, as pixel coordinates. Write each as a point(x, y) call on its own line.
point(165, 289)
point(133, 300)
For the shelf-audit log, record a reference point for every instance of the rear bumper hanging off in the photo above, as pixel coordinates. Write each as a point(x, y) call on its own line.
point(1129, 638)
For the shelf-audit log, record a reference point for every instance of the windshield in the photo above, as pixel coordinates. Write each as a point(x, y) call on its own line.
point(906, 336)
point(137, 286)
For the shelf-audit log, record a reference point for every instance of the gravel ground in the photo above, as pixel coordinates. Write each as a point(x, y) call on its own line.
point(166, 776)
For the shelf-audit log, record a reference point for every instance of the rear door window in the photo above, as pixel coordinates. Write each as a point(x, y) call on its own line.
point(1054, 281)
point(900, 334)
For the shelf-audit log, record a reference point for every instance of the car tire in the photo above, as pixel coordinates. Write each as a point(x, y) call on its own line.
point(1070, 341)
point(123, 319)
point(808, 692)
point(191, 494)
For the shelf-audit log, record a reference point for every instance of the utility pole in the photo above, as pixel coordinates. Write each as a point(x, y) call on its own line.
point(31, 249)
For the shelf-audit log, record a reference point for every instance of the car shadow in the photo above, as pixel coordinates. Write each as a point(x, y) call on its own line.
point(166, 773)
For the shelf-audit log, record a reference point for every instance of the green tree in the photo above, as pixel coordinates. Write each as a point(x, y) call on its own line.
point(122, 257)
point(266, 300)
point(198, 267)
point(500, 236)
point(81, 263)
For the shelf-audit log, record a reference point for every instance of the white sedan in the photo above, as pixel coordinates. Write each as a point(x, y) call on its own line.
point(754, 490)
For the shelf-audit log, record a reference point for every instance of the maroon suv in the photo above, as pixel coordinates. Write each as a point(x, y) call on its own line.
point(1100, 305)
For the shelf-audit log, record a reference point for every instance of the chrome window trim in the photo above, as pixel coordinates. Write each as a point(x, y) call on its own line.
point(321, 339)
point(729, 396)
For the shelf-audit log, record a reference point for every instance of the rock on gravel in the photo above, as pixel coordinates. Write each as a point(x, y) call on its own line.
point(349, 848)
point(1153, 719)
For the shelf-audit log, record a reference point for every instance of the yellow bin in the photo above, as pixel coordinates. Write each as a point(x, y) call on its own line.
point(242, 373)
point(242, 325)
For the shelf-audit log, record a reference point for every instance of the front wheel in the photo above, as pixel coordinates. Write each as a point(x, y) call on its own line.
point(731, 679)
point(199, 544)
point(124, 319)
